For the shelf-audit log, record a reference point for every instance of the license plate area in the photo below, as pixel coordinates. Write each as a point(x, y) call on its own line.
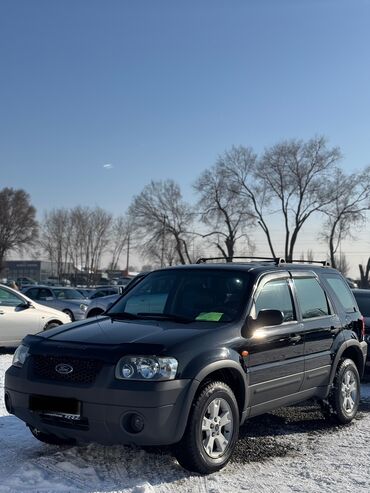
point(59, 411)
point(55, 405)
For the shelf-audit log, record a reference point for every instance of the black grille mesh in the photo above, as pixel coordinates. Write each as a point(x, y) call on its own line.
point(84, 371)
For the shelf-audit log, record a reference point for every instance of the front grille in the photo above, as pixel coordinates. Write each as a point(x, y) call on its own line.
point(83, 371)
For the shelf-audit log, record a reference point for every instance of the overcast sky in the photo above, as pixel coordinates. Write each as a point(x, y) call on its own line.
point(99, 97)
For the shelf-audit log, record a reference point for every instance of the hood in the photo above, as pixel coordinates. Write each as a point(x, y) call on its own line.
point(105, 331)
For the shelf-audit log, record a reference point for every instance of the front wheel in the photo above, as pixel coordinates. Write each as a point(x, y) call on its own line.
point(212, 430)
point(70, 314)
point(344, 398)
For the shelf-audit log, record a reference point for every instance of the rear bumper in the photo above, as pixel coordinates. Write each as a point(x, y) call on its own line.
point(106, 409)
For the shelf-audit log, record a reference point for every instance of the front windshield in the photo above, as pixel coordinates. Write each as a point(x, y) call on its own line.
point(67, 294)
point(364, 305)
point(208, 295)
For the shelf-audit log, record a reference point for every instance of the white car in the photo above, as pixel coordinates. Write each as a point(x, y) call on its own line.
point(20, 316)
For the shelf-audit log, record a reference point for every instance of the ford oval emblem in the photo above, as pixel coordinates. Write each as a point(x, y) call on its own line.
point(64, 369)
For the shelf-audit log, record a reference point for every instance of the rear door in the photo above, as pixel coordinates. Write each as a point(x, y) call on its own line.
point(276, 353)
point(320, 327)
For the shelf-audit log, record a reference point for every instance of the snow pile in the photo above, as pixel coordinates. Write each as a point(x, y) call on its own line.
point(291, 450)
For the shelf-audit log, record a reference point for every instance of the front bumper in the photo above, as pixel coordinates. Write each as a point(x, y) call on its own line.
point(105, 406)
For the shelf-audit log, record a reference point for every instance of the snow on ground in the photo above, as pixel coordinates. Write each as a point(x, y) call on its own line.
point(290, 450)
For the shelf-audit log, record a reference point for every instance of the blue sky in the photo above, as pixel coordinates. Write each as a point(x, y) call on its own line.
point(158, 88)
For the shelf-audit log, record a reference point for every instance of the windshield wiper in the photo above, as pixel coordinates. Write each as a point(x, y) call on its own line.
point(165, 316)
point(122, 316)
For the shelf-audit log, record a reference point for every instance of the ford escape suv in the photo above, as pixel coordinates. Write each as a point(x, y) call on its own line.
point(189, 353)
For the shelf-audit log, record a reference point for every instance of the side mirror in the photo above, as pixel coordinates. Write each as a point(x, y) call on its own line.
point(269, 317)
point(24, 305)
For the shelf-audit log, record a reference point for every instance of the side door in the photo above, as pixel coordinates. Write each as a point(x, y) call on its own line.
point(16, 318)
point(321, 325)
point(276, 353)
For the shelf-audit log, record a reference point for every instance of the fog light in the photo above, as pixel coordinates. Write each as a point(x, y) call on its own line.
point(137, 423)
point(133, 423)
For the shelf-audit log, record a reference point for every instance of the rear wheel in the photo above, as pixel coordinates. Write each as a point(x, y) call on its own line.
point(49, 438)
point(212, 430)
point(343, 401)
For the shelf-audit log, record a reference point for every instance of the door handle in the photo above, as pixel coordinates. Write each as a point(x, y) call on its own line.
point(295, 338)
point(2, 313)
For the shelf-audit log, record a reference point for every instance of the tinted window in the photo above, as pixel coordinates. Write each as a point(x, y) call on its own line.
point(311, 298)
point(196, 294)
point(363, 301)
point(276, 295)
point(341, 289)
point(44, 293)
point(33, 293)
point(67, 294)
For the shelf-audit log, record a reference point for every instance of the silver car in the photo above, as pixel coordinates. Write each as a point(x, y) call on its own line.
point(68, 300)
point(20, 316)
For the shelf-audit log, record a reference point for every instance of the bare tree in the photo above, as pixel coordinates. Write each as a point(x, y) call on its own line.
point(120, 233)
point(55, 239)
point(298, 175)
point(224, 211)
point(159, 213)
point(89, 238)
point(351, 194)
point(240, 165)
point(18, 225)
point(291, 177)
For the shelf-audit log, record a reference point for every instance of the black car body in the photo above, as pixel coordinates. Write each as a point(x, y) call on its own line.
point(189, 353)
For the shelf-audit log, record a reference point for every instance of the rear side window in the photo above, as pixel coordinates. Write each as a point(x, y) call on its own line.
point(311, 298)
point(343, 293)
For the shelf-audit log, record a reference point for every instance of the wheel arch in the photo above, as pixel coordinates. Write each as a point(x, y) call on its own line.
point(350, 349)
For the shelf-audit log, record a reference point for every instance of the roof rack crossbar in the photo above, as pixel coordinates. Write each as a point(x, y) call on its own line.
point(275, 260)
point(324, 263)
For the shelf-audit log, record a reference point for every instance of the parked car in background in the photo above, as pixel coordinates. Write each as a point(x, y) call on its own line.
point(105, 291)
point(19, 316)
point(86, 292)
point(363, 300)
point(68, 300)
point(99, 305)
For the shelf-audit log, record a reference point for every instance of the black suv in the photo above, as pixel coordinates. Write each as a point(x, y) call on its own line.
point(189, 353)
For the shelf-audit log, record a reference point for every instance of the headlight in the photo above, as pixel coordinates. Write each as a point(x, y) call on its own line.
point(146, 368)
point(20, 355)
point(83, 307)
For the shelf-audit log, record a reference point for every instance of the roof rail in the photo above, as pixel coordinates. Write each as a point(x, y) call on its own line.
point(275, 260)
point(324, 263)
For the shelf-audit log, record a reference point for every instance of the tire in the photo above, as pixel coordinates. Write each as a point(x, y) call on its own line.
point(49, 438)
point(50, 325)
point(206, 446)
point(70, 314)
point(343, 401)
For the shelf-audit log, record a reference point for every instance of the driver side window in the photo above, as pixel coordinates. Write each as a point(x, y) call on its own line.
point(276, 295)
